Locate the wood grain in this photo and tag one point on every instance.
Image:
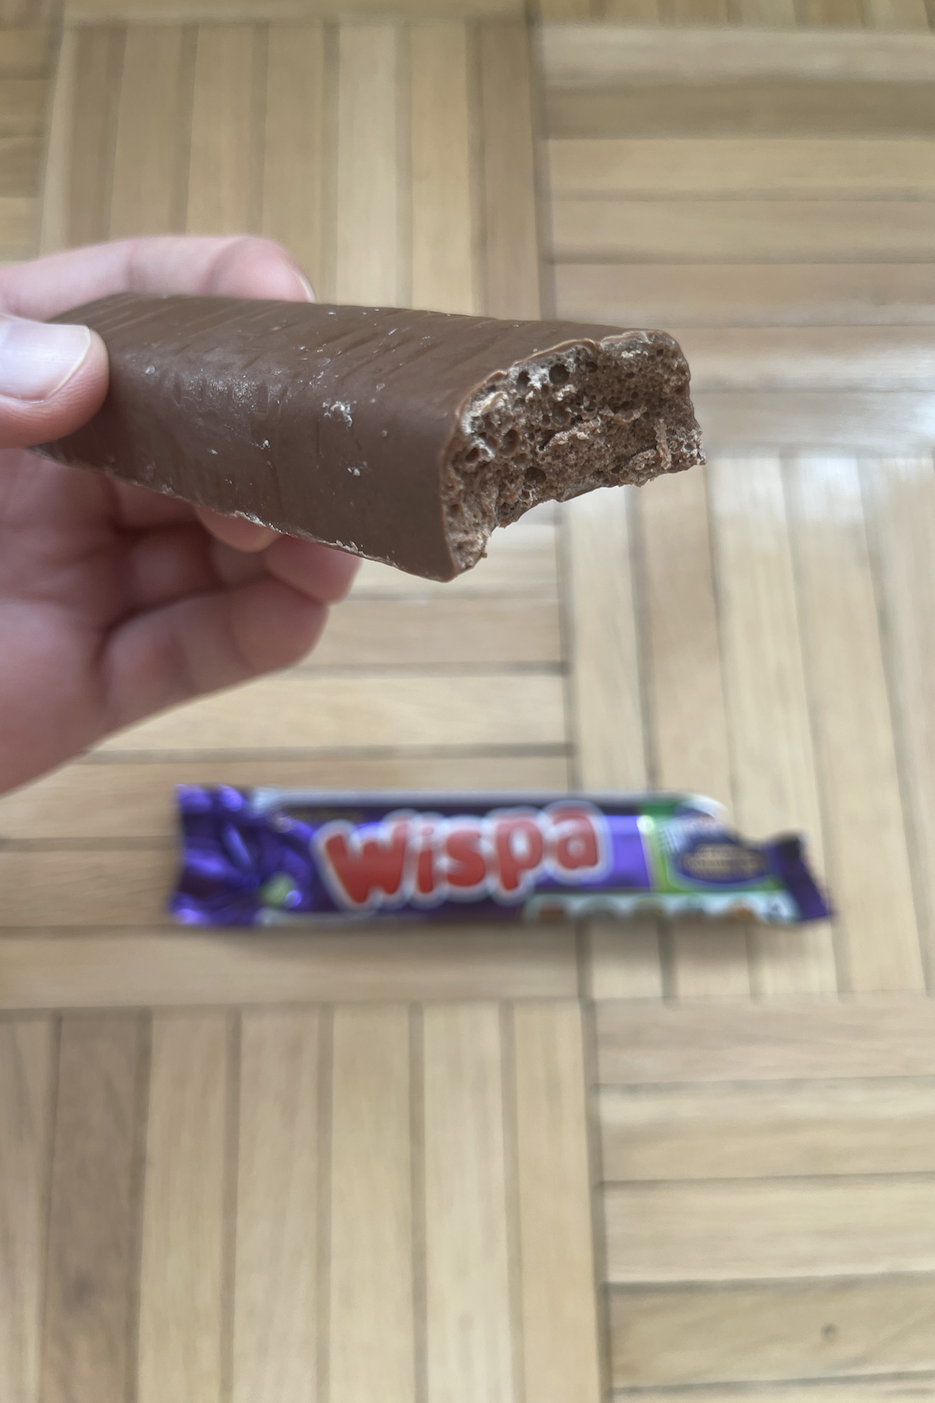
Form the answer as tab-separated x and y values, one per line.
851	1390
767	1331
877	359
685	692
511	244
767	107
742	294
897	14
469	1346
148	191
755	1131
22	105
326	711
93	1217
560	1349
858	421
181	1273
369	186
868	861
222	180
772	760
160	968
900	496
55	213
295	209
727	1231
275	1333
479	631
371	1331
443	198
737	231
25	51
128	800
701	1043
20	158
779	168
26	1088
19	226
98	60
574	55
81	888
603	647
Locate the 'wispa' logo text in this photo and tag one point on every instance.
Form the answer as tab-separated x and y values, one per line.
424	859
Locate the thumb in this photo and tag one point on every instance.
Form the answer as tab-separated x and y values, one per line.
52	380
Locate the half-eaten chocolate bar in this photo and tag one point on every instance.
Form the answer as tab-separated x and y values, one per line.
401	436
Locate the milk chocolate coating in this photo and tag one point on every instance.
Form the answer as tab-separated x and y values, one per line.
402	436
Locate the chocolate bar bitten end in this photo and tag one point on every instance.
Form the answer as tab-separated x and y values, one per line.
580	416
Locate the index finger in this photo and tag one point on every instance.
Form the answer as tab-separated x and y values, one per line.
240	266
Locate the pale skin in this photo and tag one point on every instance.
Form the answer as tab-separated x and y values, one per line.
116	602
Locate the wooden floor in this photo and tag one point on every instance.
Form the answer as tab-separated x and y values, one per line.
684	1163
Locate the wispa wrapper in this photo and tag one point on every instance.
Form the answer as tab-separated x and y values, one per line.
263	856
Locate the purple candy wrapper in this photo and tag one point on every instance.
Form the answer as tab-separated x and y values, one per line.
263	856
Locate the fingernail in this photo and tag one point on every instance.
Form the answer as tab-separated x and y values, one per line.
36	360
306	286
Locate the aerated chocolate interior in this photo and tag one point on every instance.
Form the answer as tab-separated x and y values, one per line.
403	436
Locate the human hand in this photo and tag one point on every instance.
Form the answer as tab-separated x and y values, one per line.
116	602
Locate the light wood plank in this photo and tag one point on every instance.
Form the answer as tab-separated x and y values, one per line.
855	421
369	194
777	168
771	14
897	14
560	1348
437	630
694	12
222	157
162	969
833	14
519	561
20	165
443	217
55	213
469	1349
295	211
89	1279
148	194
84	888
867	856
276	1267
632	11
606	709
809	358
754	1131
763	1332
26	1048
701	1043
98	61
773	765
511	244
847	1391
687	712
26	51
129	800
371	1344
573	55
737	231
740	294
181	1274
900	497
729	1232
19	226
22	106
340	711
89	12
768	107
604	653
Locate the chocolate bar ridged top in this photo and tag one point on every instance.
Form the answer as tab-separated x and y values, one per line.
398	435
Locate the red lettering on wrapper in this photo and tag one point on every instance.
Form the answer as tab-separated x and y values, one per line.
364	867
519	847
425	859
